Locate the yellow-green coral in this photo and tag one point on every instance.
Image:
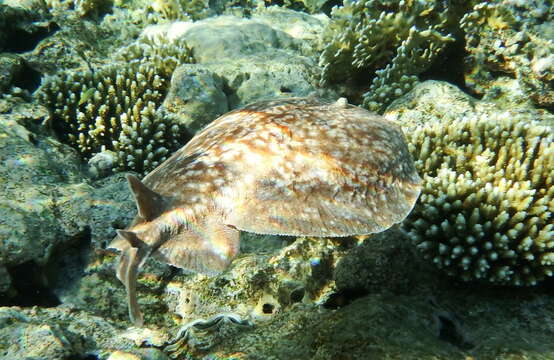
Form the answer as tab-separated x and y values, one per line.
180	9
113	108
400	37
486	209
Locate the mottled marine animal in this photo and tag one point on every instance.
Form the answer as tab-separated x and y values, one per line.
297	166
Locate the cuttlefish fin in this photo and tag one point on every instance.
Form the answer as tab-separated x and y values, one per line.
130	261
150	204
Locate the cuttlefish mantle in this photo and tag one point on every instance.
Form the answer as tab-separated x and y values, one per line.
299	167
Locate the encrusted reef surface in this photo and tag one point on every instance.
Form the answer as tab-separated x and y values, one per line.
94	89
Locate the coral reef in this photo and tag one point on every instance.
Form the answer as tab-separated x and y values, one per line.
391	41
305	298
510	47
486	207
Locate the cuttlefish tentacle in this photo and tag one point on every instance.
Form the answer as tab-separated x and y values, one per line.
132	258
134	250
127	273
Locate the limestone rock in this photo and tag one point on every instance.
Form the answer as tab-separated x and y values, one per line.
32	177
195	97
255	60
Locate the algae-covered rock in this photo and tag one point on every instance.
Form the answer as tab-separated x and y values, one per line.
226	37
101	208
195	97
510	47
384	262
10	68
26	22
57	333
47	207
420	105
443	102
254	59
33	175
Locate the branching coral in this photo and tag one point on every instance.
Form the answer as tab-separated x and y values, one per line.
400	37
163	53
413	56
112	109
486	209
181	9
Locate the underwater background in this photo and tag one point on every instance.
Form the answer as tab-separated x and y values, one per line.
94	89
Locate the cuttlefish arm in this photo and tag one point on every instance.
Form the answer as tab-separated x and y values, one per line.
131	259
135	251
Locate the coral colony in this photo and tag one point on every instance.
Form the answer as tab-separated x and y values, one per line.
114	107
291	167
485	212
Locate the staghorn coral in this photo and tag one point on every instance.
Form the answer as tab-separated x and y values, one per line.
83	8
395	79
400	37
113	108
485	212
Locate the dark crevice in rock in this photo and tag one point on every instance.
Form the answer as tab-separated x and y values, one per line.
450	330
268	308
31	286
83	357
343	298
21	40
297	295
28	78
67	263
328	6
449	66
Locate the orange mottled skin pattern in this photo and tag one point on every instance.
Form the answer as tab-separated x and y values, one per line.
296	166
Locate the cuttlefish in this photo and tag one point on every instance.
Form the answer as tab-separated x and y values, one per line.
299	167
